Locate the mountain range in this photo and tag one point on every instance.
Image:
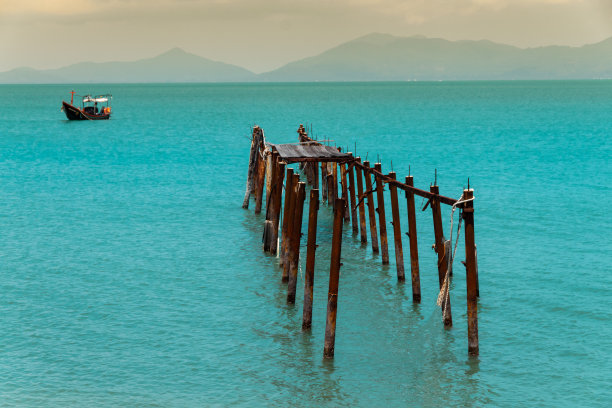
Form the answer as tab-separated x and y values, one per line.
374	57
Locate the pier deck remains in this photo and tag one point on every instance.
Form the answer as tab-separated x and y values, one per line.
355	190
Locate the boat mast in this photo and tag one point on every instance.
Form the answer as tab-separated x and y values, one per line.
71	97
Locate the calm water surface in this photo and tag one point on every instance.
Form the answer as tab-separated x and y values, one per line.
131	276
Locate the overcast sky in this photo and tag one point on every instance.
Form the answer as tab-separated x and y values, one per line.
263	35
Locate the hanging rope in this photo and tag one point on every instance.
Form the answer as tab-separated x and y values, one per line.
443	295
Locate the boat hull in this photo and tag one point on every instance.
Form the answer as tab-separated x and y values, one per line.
74	113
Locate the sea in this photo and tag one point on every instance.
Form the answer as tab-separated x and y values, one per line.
131	276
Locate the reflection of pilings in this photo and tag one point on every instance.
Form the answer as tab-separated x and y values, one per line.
334	275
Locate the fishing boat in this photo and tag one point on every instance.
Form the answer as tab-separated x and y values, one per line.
92	107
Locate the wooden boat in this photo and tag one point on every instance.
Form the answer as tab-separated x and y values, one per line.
92	107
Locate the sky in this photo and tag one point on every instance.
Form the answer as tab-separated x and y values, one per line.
264	35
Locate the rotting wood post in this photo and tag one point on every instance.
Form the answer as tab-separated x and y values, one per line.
334	172
287	211
290	225
269	174
310	258
414	250
470	277
476	261
361	201
397	231
330	188
371	210
315	175
253	161
440	249
343	182
324	181
278	194
294	243
261	174
352	203
380	200
334	276
271	188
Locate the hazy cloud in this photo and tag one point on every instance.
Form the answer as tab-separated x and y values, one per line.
265	34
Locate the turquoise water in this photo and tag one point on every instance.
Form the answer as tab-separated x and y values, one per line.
131	276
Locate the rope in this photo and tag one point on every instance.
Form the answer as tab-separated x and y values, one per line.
443	295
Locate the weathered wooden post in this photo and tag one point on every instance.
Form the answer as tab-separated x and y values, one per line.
352	203
271	187
380	199
330	189
290	225
371	211
334	276
412	236
397	232
334	173
470	277
275	216
288	212
256	141
324	181
361	201
261	174
315	175
343	183
310	259
440	249
294	243
269	173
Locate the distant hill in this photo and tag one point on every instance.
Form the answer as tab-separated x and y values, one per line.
374	57
175	65
382	57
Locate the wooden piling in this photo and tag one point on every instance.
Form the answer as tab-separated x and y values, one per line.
315	175
275	215
310	259
334	275
440	250
269	174
271	187
324	181
397	231
380	200
294	242
352	203
334	173
256	141
343	182
288	214
371	210
330	189
261	174
414	250
361	201
470	277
